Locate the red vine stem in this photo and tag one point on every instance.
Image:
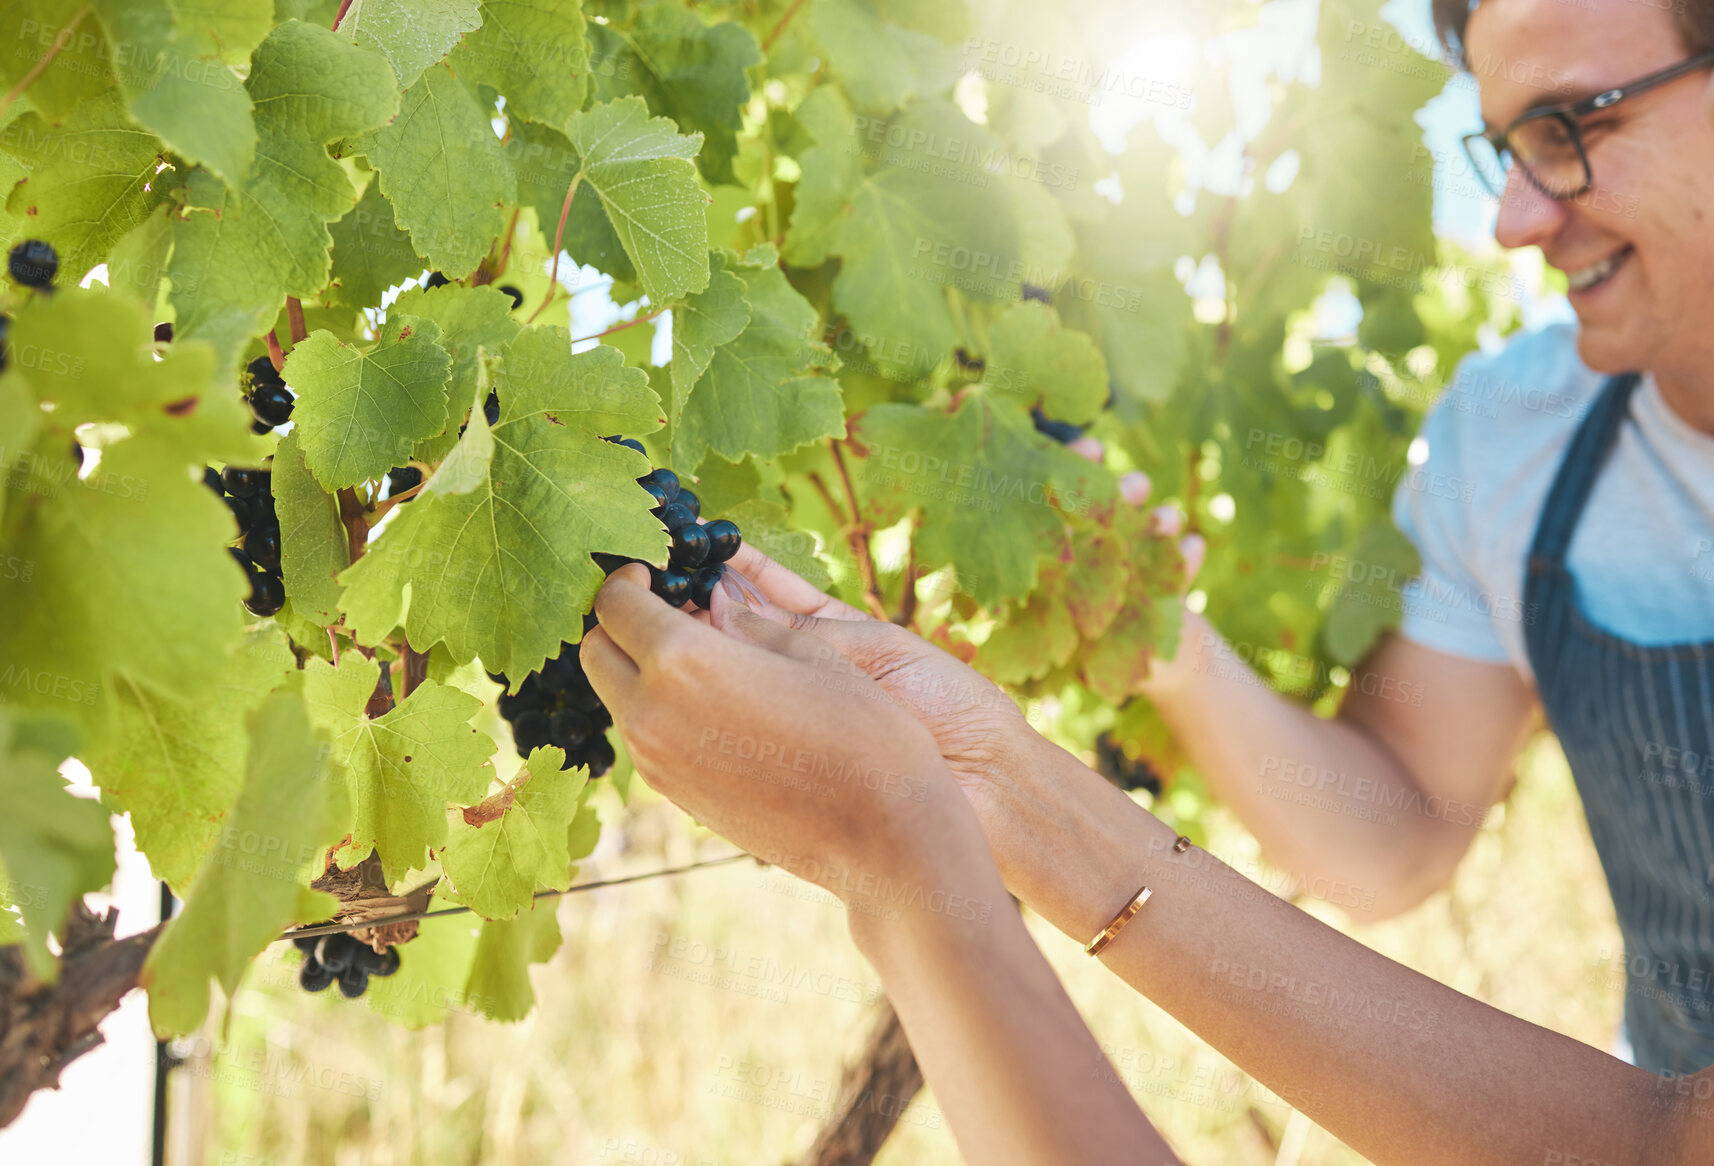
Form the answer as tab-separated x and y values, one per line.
558	236
344	6
37	69
295	317
274	353
780	27
908	600
632	323
857	534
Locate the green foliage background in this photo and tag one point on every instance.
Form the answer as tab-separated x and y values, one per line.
836	208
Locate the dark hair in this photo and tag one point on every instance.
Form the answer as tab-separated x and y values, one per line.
1695	23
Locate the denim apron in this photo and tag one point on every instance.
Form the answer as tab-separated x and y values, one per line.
1637	725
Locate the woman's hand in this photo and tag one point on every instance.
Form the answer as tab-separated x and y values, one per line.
831	781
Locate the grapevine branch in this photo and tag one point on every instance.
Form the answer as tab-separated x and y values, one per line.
857	533
40	67
872	1095
413	916
780	25
295	317
558	237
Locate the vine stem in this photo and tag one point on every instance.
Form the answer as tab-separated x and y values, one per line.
632	323
857	534
413	916
780	26
275	353
40	67
908	600
295	317
344	7
374	516
558	237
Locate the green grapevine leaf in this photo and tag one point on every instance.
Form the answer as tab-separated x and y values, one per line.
517	838
370	252
1046	364
880	64
405	767
444	171
470	319
412	36
546	166
255	881
359	413
992	493
433	969
178	87
80	70
313	546
535	53
704	322
89	179
239	252
685	69
166	761
55	847
766	392
499	985
1034	640
503	572
641	168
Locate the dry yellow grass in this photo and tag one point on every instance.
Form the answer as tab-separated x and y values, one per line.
702	1021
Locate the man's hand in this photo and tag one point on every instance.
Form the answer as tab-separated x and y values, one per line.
746	734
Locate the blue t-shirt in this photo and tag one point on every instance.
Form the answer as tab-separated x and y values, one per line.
1643	553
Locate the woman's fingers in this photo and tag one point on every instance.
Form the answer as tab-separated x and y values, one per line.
639	622
784	588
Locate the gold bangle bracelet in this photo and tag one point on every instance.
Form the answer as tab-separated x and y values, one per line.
1123	917
1111	931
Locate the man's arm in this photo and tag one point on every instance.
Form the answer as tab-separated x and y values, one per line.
1383	799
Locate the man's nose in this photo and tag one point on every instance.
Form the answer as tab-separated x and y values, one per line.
1528	218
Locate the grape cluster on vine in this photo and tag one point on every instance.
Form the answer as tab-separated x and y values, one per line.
249	494
33	263
341	956
557	705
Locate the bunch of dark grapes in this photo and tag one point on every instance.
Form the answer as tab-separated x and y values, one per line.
1124	771
341	957
557	705
270	400
1063	432
249	494
33	263
403	478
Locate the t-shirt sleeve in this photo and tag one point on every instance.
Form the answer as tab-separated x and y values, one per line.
1438	612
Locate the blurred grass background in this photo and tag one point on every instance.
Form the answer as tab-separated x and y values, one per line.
703	1020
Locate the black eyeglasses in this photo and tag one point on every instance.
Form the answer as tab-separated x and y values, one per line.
1548	142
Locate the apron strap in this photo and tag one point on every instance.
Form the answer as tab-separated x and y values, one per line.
1577	473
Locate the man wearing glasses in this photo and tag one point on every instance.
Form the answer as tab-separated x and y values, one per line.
1578	574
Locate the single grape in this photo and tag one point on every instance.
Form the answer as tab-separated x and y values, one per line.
211	479
267	594
629	443
691	547
1061	431
599	757
241	511
512	705
259	427
272	404
262	544
305	943
436	279
702	585
656	492
491	409
676	517
34	263
515	293
403	478
240	482
562	671
581	696
242	558
530	731
352	981
665	479
610	563
313	977
672	586
569	729
164	332
335	951
724	539
387	964
691	503
1039	294
262	372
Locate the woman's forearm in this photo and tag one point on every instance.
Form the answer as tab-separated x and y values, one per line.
1012	1064
1402	1068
